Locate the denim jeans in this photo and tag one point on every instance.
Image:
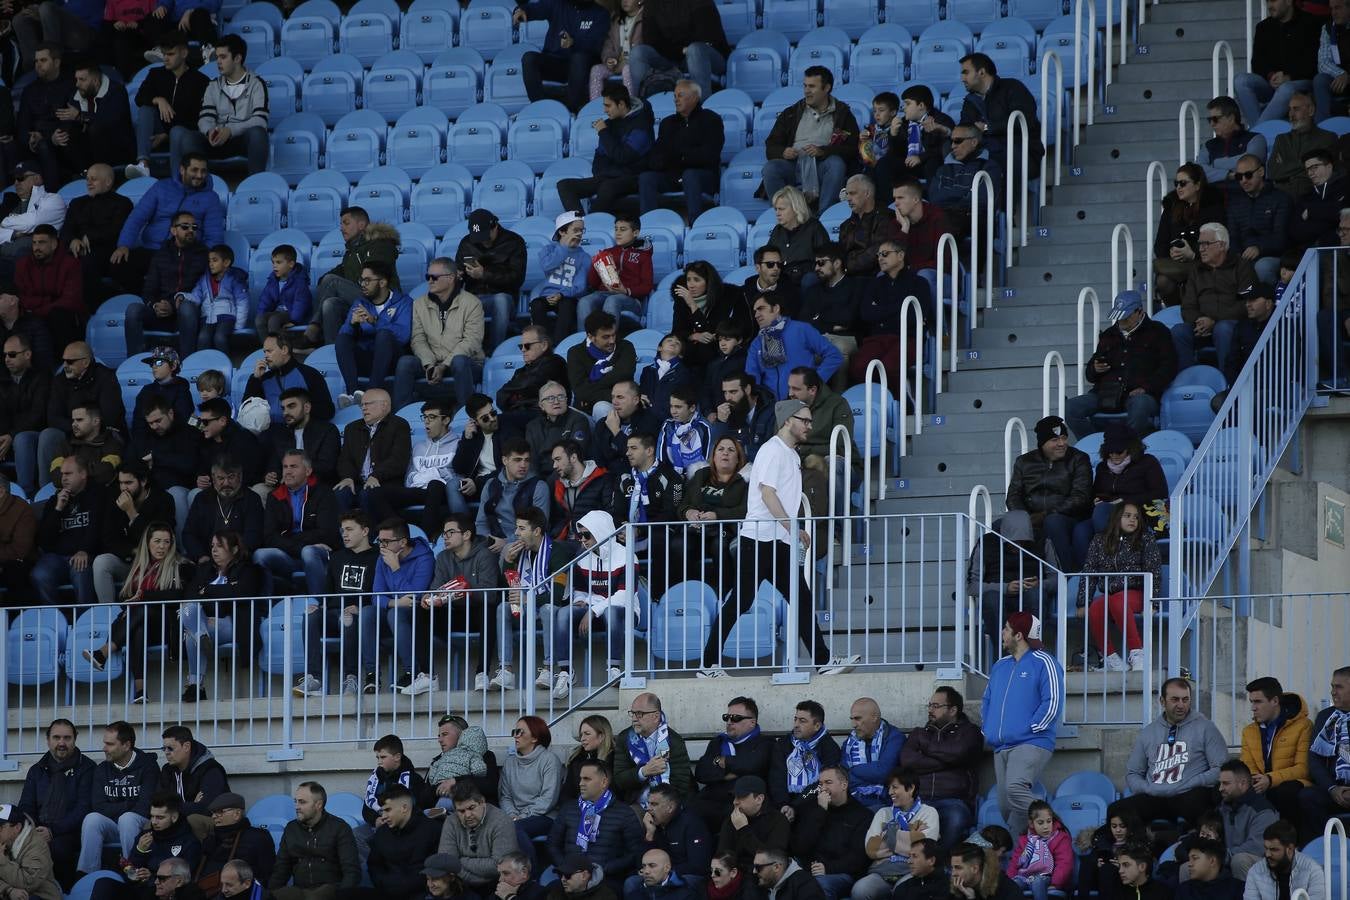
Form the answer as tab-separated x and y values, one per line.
141	316
1058	530
836	887
1254	93
558	625
196	626
26	461
332	301
696	184
871	887
1322	95
1139	412
615	304
830	170
955	819
1184	339
359	639
412	630
96	829
508	627
216	335
148	124
313	560
701	61
498	310
252	144
376	357
572	70
460	378
53	570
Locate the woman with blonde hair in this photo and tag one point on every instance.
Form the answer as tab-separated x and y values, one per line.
595	740
798	236
158	572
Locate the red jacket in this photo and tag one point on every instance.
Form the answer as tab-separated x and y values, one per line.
56	285
127	10
1061	850
634	264
924	236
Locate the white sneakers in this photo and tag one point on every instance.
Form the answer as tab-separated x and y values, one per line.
504	680
841	665
480	681
613	673
422	684
308	686
1136	660
139	169
562	685
712	672
544	680
1112	663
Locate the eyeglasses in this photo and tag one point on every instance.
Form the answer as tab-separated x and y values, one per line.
758	865
202	421
733	717
74	360
1213	119
554	398
882	254
184	226
371	280
163	878
517	732
432	276
451	532
718	873
1243	176
823	262
962	140
770	263
584	535
804	419
1182	182
431	417
938	705
157	361
486	417
386	542
639	713
1203	244
525	345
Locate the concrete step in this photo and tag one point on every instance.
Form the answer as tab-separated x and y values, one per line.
1074	192
1170	51
1026	378
1154	111
1105	214
1041	337
1107	129
1184	62
1015	314
1104	174
1162	91
1194	11
936	444
1100	151
1079	235
991	419
1055	253
1192	31
1070	273
1014	354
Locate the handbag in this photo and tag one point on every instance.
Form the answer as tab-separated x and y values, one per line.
1110	396
209	885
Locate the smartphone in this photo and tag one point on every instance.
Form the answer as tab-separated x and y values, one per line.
470	260
1178	244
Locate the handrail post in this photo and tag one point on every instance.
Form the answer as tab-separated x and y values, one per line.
793	638
1227	50
1078	63
1012	423
841	432
1188	106
630	581
6	764
977	494
1017	123
982	181
947	256
1052	56
1083	355
527	618
287	750
1052	358
911	302
1124	16
1116	233
1146	713
1151	208
1249	32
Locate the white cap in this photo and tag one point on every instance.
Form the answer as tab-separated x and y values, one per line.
566	219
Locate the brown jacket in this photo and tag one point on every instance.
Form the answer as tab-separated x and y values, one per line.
863	236
438	336
784	131
18	529
1214	291
27	864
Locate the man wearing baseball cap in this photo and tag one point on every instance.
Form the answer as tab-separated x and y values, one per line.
492	259
1020	712
579	878
1053	484
165	364
1134	363
233	836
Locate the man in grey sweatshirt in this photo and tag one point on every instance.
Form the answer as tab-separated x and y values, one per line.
479	834
1174	766
1246	816
234	113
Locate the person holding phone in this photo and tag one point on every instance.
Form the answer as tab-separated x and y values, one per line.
1192	203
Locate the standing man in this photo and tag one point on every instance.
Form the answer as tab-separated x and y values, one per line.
802	148
493	261
1275	745
1022	706
946	754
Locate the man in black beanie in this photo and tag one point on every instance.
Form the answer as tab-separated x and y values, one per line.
1053	484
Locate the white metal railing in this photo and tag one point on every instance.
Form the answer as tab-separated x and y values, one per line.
948	279
1152	221
876	385
1117	284
1017	187
1052	359
1221	48
1087	344
1250	30
1013	424
1334	827
1047	59
1188	106
1124	26
1003	577
981	241
1105	608
841	447
911	304
979	498
1078	6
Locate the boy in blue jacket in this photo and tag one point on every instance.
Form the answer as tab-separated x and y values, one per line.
1021	709
286	298
379	325
221	295
404	571
566	268
576	32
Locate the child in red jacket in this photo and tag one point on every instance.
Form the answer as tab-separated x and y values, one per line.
1043	857
621	275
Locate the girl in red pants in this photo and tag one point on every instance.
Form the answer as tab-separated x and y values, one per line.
1125	546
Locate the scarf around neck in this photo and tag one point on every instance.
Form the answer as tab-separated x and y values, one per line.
1117	468
914	144
644	750
857	752
589	826
772	348
803	765
685	446
604	362
901	819
637	503
373	786
534	576
1036	858
729	746
1333	742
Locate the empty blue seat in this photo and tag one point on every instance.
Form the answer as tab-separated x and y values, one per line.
718	236
440	197
35	643
317	201
1010	53
1011	26
1039	13
937	56
738	112
106	331
768	112
487	28
583	139
757	64
546	200
791	18
454	81
259	35
505	189
391	86
738	19
384	189
974	14
355	145
306	39
72	189
880	55
833	217
416	247
417	141
429	27
258	206
852	16
332	89
537	137
475	140
1186	403
858	96
826	55
682	621
367	36
760	229
915	16
282	77
1058	36
740	181
297	145
504	84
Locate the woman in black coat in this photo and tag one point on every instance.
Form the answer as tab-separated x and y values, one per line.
1192	203
701	302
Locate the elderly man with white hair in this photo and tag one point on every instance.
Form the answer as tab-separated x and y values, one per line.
688	149
1210	303
870	226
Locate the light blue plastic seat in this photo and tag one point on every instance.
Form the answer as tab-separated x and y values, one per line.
366	35
282	76
851	16
757	64
915	16
356	143
440	197
317	201
791	18
546	200
538	135
487	28
455	80
737	110
827	55
476	138
306	38
297	145
259	27
429	26
332	89
975	15
392	85
1039	13
258	206
504	84
682	621
738	18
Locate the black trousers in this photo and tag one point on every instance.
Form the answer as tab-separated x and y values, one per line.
609	193
391	499
1188	805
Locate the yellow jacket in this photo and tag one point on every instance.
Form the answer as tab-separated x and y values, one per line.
1289	751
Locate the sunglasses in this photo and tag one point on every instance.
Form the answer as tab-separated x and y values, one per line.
1213	119
823	262
517	732
1246	176
733	717
183	226
962	140
13	354
771	263
433	276
77	359
1182	182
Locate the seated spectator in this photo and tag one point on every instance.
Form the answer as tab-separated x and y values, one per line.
726	879
221	296
196	22
430	473
577	876
1209	879
702	302
26	865
493	261
1126	473
990	102
576	30
519	397
870	752
150	225
1246	815
1283	864
927	133
298	524
514	488
442	871
780	877
1021	725
620	276
798	237
375	450
120	790
831	303
229	575
882	297
783	345
1166	782
976	875
376	334
558	422
649	752
742	749
928	879
626	134
577	485
286	299
945	755
1056	497
1134	363
169	97
392	769
608	831
446	340
746	413
530	782
50	285
658	880
598	363
234	117
340	287
234	838
1313	217
349	615
165	383
133	506
754	825
1043	859
812	142
566	267
466	564
829	837
278	372
1219	155
222	506
463	750
237	881
94	126
68	534
863	232
951	183
83	382
174	271
893	830
768	280
55	799
1258	217
405	569
100	448
648	490
317	851
478	455
679	834
1004	572
526	561
192	773
1329	794
680	39
403	839
299	427
15	320
875	140
923	225
1210	307
18	531
483	838
1192	202
730	359
688	150
685	441
663	375
1285	166
50	91
799	756
1135	863
595	740
30	206
1097	871
168	837
1284	61
625	33
1331	80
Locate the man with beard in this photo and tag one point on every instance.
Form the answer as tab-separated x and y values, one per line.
1285	166
301	426
56	795
746	412
222	506
945	754
50	284
627	416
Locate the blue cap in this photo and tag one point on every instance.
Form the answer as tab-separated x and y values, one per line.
1127	302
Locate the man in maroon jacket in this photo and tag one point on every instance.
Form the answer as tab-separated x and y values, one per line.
51	286
945	754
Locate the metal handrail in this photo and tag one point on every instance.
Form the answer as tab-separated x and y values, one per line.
902	439
1078	63
977	494
1083	353
947	258
1188	105
1124	18
868	386
1023	189
1052	358
1052	57
840	433
1116	233
1250	31
1152	208
981	181
1332	826
1227	50
1008	458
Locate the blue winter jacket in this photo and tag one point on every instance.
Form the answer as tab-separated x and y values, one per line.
396	317
565	270
1023	701
586	23
413	576
230	300
148	224
90	12
867	779
176	8
805	347
294	295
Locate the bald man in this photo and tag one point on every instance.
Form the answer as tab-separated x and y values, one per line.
870	752
656	880
375	449
649	752
82	382
91	228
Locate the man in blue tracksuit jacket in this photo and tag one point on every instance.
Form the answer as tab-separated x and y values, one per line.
1020	713
379	326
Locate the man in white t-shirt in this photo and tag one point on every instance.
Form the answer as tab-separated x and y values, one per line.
764	547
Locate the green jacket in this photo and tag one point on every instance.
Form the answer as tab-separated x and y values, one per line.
1286	158
829	410
628	784
379	241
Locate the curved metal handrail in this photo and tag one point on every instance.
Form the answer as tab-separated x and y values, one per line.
1152	209
1052	57
1017	123
868	386
981	239
911	303
978	493
1052	358
1078	63
1120	230
947	259
1083	354
1188	105
1227	50
1008	457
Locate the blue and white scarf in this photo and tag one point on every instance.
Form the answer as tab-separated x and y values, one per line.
638	500
604	362
588	828
803	765
1333	742
856	752
685	447
645	749
373	786
772	349
534	569
729	746
901	819
914	144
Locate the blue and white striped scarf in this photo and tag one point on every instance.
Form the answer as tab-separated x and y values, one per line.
644	750
588	828
856	752
803	765
1333	742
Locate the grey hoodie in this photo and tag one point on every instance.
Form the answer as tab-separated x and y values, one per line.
1305	873
1245	821
1166	762
480	568
530	784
